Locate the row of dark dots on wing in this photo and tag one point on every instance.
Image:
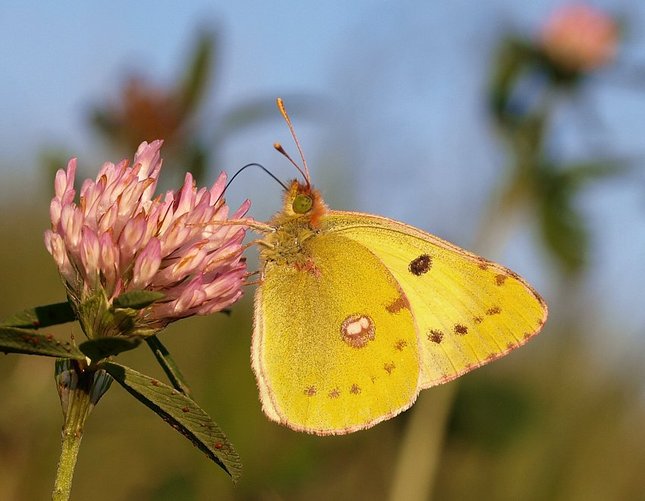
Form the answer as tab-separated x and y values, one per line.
311	391
437	335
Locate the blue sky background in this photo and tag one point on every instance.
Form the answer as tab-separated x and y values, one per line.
401	131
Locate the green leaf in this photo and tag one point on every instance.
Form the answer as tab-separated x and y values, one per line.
15	340
106	123
137	300
579	173
103	347
563	228
196	159
182	413
493	415
514	58
168	365
41	316
197	73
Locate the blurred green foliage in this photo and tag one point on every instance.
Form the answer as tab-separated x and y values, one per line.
192	123
525	89
145	112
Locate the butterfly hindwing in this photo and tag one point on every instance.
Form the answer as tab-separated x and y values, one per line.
468	311
335	347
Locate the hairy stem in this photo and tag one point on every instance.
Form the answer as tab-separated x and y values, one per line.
71	442
78	408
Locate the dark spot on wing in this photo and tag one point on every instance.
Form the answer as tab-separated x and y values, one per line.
420	265
461	329
435	336
398	304
400	344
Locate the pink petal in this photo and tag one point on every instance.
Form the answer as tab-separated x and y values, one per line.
109	263
218	188
149	157
146	265
55	209
56	247
129	239
186	200
71	226
90	256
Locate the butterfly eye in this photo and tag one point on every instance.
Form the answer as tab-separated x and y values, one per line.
302	204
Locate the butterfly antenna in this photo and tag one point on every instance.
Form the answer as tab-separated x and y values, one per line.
278	146
281	150
246	167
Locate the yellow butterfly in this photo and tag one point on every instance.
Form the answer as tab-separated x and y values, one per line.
356	313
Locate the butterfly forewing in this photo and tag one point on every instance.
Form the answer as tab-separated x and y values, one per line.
468	311
335	348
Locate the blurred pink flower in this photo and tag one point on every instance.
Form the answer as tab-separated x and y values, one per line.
119	239
580	37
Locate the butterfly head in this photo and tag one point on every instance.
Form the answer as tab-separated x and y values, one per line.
302	200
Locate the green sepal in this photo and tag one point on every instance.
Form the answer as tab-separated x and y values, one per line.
137	300
41	316
74	376
16	340
182	413
100	319
90	310
103	347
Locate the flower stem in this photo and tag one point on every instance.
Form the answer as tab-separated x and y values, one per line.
78	408
71	443
79	389
420	451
